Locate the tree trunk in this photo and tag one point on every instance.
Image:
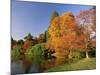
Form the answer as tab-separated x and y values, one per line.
87	56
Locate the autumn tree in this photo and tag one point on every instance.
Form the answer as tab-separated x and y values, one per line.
54	15
28	42
93	12
86	21
42	38
65	35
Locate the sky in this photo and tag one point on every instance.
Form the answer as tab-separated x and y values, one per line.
34	17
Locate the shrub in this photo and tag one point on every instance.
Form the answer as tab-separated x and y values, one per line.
15	53
92	52
36	51
78	55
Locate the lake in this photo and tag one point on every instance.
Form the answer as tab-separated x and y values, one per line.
35	66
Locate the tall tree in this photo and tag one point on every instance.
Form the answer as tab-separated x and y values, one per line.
86	20
20	42
28	37
55	14
42	38
47	35
28	42
93	11
65	35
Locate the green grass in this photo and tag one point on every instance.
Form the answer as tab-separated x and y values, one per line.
83	64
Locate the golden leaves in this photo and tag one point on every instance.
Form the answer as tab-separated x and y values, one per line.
63	31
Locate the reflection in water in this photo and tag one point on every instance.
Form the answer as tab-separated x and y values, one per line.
34	69
20	68
17	68
37	65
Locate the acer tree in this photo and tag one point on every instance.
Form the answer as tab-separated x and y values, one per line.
86	21
65	35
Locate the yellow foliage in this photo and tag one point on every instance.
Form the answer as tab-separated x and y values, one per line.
65	34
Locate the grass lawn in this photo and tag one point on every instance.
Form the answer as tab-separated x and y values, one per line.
84	64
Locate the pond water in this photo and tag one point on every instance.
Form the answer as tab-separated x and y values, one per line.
36	66
19	68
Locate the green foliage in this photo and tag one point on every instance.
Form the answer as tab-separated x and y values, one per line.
15	53
36	51
37	60
77	55
55	14
39	49
84	64
92	52
47	35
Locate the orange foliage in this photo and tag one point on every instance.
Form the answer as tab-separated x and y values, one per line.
65	35
27	44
